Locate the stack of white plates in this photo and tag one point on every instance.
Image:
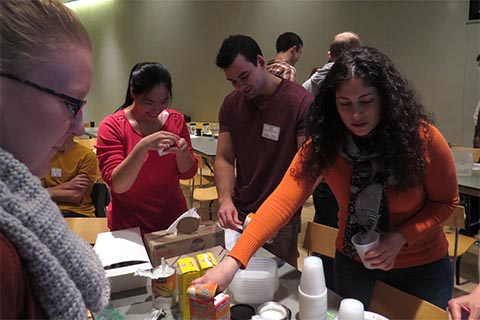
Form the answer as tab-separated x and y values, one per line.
257	283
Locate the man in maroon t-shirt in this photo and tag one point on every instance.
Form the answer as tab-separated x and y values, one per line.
262	125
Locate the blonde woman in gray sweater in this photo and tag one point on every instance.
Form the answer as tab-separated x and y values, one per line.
46	271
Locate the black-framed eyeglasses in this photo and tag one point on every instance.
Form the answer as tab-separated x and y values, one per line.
73	105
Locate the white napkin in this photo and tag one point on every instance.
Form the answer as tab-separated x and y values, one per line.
231	237
190	213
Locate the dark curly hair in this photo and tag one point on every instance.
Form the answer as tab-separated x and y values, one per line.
397	135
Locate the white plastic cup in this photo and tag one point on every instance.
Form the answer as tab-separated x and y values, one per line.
351	309
312	280
364	242
206	128
312	307
214	128
193	128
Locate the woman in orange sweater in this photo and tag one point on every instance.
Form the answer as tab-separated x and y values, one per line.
390	170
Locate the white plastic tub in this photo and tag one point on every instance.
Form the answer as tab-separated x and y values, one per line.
257	283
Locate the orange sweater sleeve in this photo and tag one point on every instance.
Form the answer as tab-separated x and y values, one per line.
275	211
441	187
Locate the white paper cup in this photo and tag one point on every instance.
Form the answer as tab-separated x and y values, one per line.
312	280
312	307
193	128
351	309
362	244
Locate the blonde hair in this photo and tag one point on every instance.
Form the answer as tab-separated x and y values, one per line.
35	32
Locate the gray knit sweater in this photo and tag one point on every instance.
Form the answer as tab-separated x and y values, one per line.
66	274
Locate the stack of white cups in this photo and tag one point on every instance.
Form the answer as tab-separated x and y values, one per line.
312	292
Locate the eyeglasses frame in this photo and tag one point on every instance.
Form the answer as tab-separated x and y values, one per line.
73	105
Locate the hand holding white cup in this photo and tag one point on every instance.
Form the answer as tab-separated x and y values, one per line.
364	242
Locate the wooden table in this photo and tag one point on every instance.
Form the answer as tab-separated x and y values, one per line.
88	228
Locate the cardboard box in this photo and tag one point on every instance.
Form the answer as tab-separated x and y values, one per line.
160	244
218	252
217	308
206	260
122	252
187	271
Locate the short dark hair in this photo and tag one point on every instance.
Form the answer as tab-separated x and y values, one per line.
144	77
235	45
287	40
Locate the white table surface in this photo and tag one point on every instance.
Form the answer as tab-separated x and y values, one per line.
91	132
204	145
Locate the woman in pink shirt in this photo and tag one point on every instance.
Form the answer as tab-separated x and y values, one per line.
143	149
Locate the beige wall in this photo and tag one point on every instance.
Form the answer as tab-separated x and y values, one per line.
429	41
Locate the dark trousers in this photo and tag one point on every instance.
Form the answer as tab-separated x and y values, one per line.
432	282
326	210
70	214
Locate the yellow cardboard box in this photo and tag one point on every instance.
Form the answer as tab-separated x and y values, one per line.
206	261
187	271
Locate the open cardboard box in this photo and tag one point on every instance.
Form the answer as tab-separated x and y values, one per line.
122	252
161	244
218	252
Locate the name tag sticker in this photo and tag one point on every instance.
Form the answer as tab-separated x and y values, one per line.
162	152
271	132
56	172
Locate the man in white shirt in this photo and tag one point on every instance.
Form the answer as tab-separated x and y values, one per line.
340	43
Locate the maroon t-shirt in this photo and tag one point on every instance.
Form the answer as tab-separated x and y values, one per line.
264	134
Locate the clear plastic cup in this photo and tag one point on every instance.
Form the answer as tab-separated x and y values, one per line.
463	162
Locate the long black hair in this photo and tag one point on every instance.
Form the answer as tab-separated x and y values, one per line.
398	135
144	77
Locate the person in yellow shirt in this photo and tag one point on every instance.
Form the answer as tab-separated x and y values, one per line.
73	172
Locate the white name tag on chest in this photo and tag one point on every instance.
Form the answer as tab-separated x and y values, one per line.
56	172
271	132
162	153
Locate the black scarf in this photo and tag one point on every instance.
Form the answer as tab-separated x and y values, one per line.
367	209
